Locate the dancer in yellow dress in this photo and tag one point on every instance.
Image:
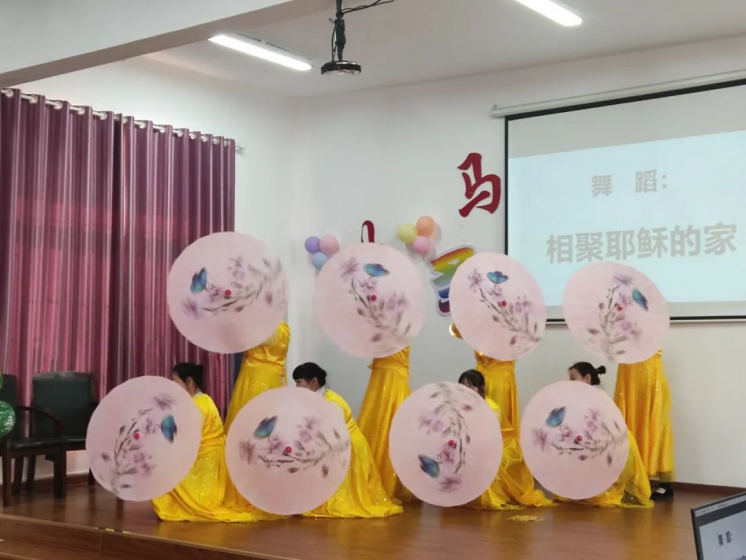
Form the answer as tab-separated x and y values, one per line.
200	496
632	488
499	378
643	396
387	389
361	494
262	368
513	486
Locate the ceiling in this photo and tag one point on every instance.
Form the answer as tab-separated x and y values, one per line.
413	41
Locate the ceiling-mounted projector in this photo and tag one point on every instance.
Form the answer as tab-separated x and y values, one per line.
337	65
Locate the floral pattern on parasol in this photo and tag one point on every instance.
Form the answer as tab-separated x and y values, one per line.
616	312
143	438
368	300
288	450
227	293
445	444
498	306
574	439
129	456
306	448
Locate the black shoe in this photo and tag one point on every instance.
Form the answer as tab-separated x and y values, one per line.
666	494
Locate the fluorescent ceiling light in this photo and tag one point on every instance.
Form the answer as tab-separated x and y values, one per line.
553	11
261	50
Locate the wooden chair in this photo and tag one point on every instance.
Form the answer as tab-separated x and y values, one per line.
69	397
19	444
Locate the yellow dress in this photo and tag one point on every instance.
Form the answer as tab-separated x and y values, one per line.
513	486
632	488
387	389
262	368
643	396
201	495
499	384
361	494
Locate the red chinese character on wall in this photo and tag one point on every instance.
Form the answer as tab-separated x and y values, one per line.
491	191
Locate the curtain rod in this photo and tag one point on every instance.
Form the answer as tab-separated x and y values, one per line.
33	99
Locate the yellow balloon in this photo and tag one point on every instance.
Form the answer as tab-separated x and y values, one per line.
407	233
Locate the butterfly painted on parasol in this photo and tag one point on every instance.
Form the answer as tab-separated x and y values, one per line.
199	281
265	428
497	277
375	270
555	417
168	428
640	299
429	466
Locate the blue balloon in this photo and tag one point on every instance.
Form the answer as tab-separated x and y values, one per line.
313	245
319	260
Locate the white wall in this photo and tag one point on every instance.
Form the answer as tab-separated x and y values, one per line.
391	156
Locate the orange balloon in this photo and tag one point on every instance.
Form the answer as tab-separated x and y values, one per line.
425	226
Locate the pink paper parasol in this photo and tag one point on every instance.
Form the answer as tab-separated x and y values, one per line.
574	439
497	306
227	293
143	438
445	444
288	451
368	300
616	312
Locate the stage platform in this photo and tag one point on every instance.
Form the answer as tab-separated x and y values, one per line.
90	524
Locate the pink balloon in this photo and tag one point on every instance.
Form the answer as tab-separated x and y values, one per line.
425	226
160	425
288	450
329	245
421	246
445	444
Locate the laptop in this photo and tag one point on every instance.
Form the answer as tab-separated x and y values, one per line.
720	529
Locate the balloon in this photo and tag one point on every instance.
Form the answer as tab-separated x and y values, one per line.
313	244
329	245
425	226
421	246
406	233
319	260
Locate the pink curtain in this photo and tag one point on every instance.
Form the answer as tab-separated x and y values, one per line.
94	208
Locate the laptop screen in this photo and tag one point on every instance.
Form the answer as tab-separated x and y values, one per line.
720	529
